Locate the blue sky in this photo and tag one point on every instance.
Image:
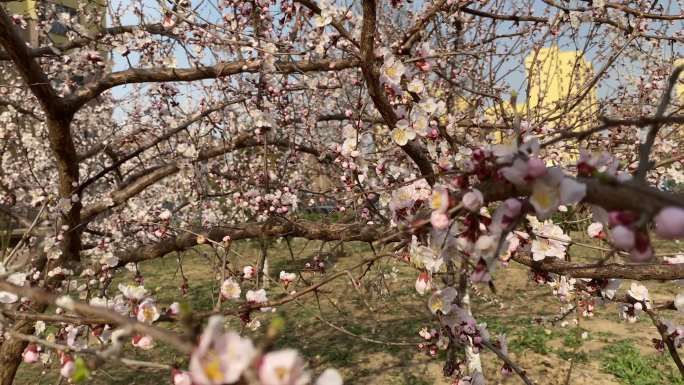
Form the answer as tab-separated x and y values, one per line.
515	79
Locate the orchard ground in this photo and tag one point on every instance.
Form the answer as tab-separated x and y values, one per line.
370	333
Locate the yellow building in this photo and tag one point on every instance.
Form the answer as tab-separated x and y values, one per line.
679	87
64	20
559	95
90	14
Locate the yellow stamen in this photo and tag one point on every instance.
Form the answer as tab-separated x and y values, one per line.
281	372
437	305
212	367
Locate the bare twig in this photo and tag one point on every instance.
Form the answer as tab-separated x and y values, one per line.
647	145
519	371
44	297
671	348
66	348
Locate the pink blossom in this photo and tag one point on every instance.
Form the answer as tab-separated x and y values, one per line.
480	273
554	189
425	333
623	237
441	300
168	21
625	218
147	311
530	147
133	292
329	376
595	230
505	214
513	243
516	173
68	366
283	367
248	272
230	289
512	206
545	198
174	309
220	358
638	292
679	302
572	191
473	200
522	172
610	288
677	259
465	244
403	198
551	242
256	296
592	162
180	377
423	283
439	200
535	167
485	245
287	278
31	354
670	223
439	220
19	20
143	342
642	250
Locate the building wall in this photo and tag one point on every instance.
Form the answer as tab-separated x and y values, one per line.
76	8
679	87
558	79
558	98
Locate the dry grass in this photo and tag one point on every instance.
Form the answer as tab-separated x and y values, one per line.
388	311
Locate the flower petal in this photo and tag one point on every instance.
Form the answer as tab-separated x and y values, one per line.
571	191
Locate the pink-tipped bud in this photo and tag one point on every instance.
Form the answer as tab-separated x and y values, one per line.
623	237
670	223
31	354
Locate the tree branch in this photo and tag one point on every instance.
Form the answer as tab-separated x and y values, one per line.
667	340
335	23
519	371
47	298
413	148
647	145
149	178
58	49
168	134
639	272
223	69
272	229
27	67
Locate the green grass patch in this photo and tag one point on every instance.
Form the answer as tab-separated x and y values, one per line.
534	338
574	339
576	356
495	325
623	360
411	379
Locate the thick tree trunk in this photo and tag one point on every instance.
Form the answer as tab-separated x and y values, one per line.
12	348
262	264
10	352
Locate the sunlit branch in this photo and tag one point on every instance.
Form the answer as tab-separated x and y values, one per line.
47	298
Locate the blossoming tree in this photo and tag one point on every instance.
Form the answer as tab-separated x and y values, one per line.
186	124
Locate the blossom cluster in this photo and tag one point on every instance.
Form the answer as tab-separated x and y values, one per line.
223	357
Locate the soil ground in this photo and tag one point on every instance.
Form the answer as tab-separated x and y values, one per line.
370	332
